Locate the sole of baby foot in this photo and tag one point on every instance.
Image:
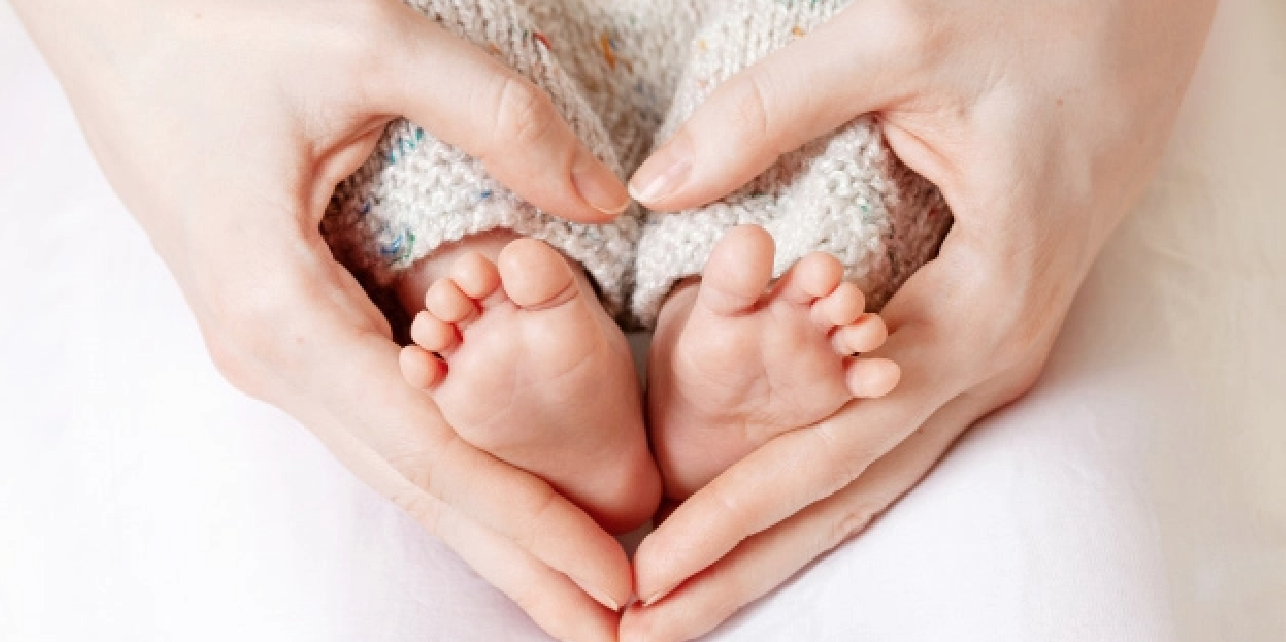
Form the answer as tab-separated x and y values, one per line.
735	362
525	363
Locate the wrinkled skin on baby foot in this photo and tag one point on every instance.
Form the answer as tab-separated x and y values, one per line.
736	362
527	365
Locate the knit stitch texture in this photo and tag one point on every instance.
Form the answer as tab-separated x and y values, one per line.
625	74
846	194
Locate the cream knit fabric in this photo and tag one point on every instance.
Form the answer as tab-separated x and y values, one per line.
625	74
417	193
847	194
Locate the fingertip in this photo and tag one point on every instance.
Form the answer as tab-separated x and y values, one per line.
664	173
643	586
600	188
866	334
636	624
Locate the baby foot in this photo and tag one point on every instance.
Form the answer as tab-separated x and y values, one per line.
525	364
734	364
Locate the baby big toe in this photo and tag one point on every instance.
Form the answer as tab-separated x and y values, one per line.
738	271
535	275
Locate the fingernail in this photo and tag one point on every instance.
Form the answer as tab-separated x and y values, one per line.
656	597
663	173
601	189
599	597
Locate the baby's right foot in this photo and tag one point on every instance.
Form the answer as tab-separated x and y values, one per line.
735	364
525	364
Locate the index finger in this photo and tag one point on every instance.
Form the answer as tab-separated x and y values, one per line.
471	100
309	354
788	98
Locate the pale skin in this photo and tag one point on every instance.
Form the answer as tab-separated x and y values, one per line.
1041	123
224	128
514	347
524	363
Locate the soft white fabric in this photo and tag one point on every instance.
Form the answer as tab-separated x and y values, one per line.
1139	492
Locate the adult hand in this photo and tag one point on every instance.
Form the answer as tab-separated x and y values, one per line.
224	127
1041	123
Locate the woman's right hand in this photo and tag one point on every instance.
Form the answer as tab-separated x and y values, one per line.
224	127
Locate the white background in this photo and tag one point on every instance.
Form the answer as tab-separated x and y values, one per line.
1139	492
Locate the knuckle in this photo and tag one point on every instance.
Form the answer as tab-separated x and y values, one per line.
911	33
228	360
738	578
850	521
748	100
421	507
524	114
240	327
723	500
413	464
248	325
529	533
257	314
845	459
1026	308
420	461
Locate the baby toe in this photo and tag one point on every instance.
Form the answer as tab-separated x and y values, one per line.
446	301
841	307
433	334
813	277
871	377
476	276
864	335
535	275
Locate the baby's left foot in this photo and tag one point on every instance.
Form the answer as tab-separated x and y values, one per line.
734	364
530	368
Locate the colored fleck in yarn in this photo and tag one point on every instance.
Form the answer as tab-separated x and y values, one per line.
417	193
846	194
625	74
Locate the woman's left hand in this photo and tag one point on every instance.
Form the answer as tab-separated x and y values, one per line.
1041	123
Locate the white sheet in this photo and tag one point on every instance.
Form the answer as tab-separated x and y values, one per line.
1139	493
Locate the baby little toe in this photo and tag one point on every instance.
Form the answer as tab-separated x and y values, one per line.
420	368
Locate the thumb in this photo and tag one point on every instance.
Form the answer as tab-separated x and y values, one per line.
841	70
468	99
